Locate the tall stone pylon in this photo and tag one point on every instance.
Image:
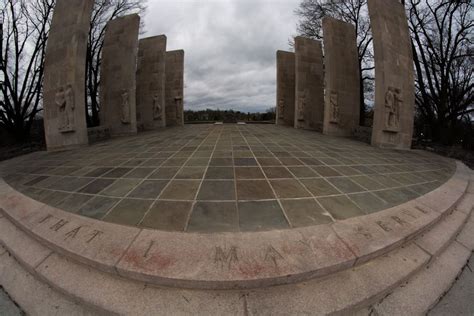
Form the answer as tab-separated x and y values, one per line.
151	79
342	77
309	84
64	75
285	78
174	88
394	75
118	76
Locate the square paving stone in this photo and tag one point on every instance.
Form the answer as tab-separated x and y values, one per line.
303	172
148	189
121	187
289	189
54	198
191	173
134	162
396	196
254	190
319	187
97	207
74	202
36	180
326	171
385	181
153	162
117	172
128	212
368	202
174	162
181	190
70	184
340	207
261	215
96	186
346	171
139	173
222	154
305	212
197	162
245	162
249	173
166	215
277	173
220	173
366	182
164	173
210	217
97	172
291	162
346	185
221	162
217	190
268	161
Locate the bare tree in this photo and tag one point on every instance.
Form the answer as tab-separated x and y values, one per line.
442	36
104	11
24	32
355	12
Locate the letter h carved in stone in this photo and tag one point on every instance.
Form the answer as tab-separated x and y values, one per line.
65	102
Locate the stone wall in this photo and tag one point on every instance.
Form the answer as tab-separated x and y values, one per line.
285	102
118	76
342	78
174	88
64	75
151	82
394	75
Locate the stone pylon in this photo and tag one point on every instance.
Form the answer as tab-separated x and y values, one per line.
394	75
342	77
151	82
118	76
174	88
64	75
285	102
309	84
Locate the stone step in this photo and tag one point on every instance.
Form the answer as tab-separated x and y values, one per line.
342	292
231	260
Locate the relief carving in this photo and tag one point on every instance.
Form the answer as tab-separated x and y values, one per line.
65	102
301	106
156	108
281	106
125	107
333	108
179	106
393	103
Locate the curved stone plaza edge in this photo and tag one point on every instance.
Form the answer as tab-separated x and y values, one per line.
230	260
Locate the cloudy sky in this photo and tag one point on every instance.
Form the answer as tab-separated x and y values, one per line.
229	45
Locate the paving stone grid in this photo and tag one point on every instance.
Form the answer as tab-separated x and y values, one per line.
216	178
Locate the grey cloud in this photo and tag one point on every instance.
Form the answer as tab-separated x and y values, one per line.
230	47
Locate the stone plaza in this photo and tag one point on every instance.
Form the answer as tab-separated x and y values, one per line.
295	217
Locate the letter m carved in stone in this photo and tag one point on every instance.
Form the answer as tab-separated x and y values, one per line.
225	258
